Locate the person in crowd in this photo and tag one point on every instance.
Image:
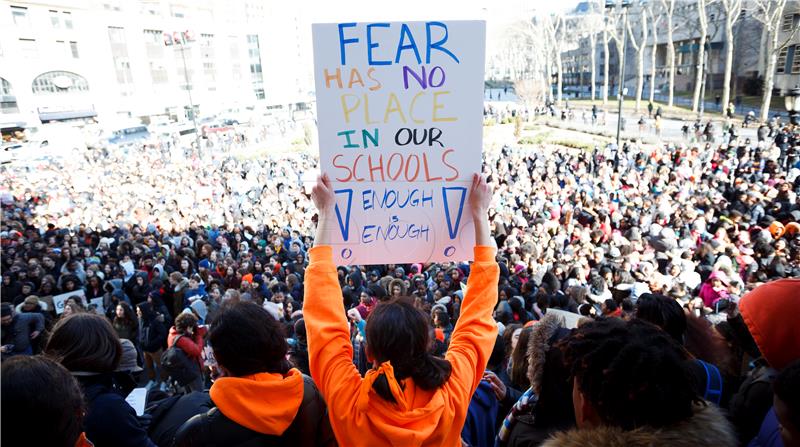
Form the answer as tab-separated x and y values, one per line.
42	402
19	331
431	405
259	398
87	345
764	329
188	336
125	322
619	369
152	338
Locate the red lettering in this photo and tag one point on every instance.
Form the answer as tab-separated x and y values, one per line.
350	174
413	178
373	168
389	166
355	168
453	168
428	177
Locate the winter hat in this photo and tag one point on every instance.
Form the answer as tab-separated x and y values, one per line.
127	361
204	264
200	308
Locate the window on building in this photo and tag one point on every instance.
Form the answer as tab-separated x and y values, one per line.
61	48
20	15
55	19
67	19
178	11
5	88
29	48
73	48
116	35
154	43
59	82
780	67
158	73
791	55
790	22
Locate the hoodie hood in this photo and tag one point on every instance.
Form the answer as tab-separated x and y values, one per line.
545	334
263	402
769	312
412	419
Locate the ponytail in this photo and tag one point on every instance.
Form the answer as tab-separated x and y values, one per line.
428	372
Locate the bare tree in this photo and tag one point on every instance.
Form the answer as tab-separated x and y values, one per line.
701	53
655	14
639	46
555	29
770	14
732	12
606	37
669	11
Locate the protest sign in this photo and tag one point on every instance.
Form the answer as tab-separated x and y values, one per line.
400	110
571	319
60	300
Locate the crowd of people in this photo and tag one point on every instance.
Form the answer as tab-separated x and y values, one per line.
640	295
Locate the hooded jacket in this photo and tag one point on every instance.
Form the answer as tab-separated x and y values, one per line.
359	416
479	427
707	427
261	409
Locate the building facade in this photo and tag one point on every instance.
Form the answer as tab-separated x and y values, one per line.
109	59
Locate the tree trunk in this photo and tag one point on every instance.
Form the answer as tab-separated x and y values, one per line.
653	60
605	66
726	82
669	10
560	74
769	74
593	41
701	54
639	47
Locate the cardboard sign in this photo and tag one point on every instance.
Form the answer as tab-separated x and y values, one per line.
570	319
60	300
400	109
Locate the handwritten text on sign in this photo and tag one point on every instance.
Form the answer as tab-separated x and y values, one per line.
399	110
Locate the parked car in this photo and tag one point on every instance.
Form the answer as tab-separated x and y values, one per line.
130	134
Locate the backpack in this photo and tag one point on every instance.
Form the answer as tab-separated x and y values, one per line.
178	365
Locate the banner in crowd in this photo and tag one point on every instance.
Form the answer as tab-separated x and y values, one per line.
400	109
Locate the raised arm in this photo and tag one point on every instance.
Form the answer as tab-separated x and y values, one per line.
475	333
330	352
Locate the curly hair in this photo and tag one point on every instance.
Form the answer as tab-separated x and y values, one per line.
633	373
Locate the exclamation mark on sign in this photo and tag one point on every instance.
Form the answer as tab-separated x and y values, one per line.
453	195
344	224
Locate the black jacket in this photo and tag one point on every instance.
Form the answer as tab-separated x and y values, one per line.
152	335
110	421
311	427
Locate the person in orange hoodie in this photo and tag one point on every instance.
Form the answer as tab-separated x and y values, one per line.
767	331
259	399
410	398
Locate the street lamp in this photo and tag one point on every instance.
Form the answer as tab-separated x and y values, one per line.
180	41
624	4
792	102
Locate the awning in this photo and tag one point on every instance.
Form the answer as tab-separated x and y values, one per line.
66	115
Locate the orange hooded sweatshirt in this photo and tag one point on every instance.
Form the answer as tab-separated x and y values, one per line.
769	311
263	402
358	415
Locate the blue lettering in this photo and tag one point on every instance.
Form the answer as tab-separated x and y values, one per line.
412	45
367	199
438	45
371	46
343	41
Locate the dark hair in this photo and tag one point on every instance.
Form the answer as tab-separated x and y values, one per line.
185	321
36	389
247	340
84	342
130	316
632	372
519	361
664	312
787	388
508	338
442	316
399	333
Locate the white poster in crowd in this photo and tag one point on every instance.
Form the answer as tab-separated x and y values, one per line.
400	110
97	305
570	319
60	300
